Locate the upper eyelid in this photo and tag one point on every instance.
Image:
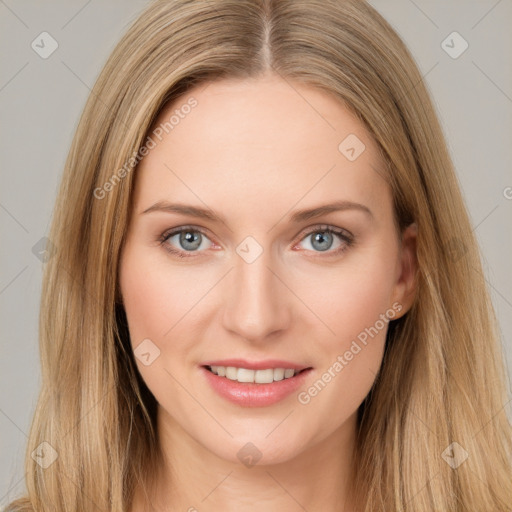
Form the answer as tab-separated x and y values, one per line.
175	231
326	227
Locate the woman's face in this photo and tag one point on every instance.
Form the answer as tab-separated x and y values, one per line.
259	283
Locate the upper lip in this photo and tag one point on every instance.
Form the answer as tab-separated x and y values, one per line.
257	365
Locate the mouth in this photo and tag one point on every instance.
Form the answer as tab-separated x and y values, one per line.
249	387
251	376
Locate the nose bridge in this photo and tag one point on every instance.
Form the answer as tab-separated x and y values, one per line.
256	305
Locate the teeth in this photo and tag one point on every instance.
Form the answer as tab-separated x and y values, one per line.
232	373
279	373
262	376
256	376
288	373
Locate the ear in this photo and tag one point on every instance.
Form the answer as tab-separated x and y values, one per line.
404	290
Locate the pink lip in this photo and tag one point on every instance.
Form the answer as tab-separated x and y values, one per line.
256	365
252	394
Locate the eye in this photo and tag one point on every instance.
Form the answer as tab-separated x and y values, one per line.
187	240
325	237
183	240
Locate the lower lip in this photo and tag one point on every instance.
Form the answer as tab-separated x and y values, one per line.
254	395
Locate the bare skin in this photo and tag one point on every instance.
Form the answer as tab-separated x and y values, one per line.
256	151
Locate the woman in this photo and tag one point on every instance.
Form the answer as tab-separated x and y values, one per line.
267	293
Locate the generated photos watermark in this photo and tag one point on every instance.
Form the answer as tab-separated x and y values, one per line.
173	121
357	345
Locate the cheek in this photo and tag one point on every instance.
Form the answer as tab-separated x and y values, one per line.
162	305
144	297
156	302
155	298
357	301
354	302
350	297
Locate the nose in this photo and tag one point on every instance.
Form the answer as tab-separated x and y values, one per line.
257	304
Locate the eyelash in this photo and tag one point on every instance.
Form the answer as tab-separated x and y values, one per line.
345	236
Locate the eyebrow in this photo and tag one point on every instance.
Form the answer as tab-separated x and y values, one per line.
296	217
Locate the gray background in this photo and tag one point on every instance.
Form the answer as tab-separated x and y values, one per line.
41	100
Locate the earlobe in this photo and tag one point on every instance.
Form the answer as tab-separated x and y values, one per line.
405	287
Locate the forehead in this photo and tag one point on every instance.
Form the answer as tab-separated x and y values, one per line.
254	140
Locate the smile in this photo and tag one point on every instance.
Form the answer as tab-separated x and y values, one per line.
254	387
246	375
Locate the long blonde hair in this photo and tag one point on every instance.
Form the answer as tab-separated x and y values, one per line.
442	380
